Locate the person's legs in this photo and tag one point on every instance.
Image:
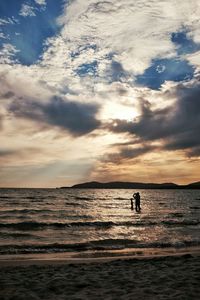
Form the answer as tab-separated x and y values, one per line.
137	205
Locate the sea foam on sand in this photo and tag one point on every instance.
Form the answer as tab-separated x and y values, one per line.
168	277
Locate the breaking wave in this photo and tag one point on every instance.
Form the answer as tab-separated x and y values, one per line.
96	245
40	225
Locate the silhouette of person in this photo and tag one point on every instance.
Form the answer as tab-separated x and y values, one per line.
131	203
136	196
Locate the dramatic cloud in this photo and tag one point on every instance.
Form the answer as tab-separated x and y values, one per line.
110	86
128	30
126	153
77	118
177	126
6	152
16	153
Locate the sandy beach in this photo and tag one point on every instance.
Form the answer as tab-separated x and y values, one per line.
167	277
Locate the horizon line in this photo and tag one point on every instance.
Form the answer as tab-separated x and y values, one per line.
138	182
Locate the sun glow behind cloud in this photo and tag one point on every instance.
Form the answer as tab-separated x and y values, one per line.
98	90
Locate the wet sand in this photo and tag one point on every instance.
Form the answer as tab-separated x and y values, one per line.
167	277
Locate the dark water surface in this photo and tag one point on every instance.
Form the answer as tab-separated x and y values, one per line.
58	220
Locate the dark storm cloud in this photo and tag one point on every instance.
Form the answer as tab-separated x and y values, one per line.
178	126
127	153
8	95
194	152
146	125
7	152
77	118
21	152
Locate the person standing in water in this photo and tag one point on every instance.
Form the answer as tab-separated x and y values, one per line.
131	203
136	196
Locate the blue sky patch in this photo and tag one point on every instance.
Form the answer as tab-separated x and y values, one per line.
175	69
28	33
184	43
116	72
163	70
87	69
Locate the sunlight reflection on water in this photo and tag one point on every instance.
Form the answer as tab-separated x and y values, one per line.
98	218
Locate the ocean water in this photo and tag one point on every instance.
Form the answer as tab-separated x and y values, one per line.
82	220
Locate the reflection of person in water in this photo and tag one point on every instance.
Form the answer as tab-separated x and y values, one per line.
136	196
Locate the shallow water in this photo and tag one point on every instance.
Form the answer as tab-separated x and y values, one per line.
65	220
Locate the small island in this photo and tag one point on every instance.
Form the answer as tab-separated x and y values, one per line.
132	185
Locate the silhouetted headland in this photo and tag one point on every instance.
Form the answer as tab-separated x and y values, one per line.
132	185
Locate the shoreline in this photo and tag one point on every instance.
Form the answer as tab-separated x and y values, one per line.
88	257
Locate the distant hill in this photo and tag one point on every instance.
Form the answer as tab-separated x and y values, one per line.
194	185
132	185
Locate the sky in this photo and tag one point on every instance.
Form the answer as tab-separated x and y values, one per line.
99	90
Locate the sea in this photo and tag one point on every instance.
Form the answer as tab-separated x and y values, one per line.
96	222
